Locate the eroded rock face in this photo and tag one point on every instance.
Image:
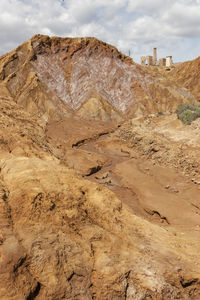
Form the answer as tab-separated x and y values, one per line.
89	211
64	237
56	77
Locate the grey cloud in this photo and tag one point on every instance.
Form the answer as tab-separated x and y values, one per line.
136	25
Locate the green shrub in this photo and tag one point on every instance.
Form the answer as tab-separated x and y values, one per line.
188	112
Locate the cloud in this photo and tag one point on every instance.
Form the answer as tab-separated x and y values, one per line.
136	25
152	7
184	19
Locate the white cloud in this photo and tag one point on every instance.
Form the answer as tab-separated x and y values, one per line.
137	25
148	7
184	19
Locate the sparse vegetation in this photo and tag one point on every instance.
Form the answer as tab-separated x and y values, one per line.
188	112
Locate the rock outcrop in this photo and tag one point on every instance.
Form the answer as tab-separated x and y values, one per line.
56	77
92	209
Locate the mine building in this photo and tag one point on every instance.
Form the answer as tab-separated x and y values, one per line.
169	62
162	62
153	60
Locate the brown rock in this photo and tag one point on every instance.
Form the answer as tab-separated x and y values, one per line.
65	237
55	77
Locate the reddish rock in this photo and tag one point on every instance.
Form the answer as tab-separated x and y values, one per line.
55	77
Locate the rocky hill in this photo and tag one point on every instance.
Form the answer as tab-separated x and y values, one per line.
92	209
56	77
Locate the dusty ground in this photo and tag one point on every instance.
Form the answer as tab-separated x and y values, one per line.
93	211
151	164
68	237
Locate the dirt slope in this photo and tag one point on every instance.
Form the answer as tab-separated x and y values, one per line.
187	74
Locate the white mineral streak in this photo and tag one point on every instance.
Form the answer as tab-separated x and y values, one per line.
110	77
52	74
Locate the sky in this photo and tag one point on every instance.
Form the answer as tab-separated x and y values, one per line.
133	26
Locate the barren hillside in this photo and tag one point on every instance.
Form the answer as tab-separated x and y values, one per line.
91	208
56	77
187	74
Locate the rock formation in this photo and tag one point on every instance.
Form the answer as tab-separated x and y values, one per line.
92	209
55	77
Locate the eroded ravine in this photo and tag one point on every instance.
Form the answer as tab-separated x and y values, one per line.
158	193
106	175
